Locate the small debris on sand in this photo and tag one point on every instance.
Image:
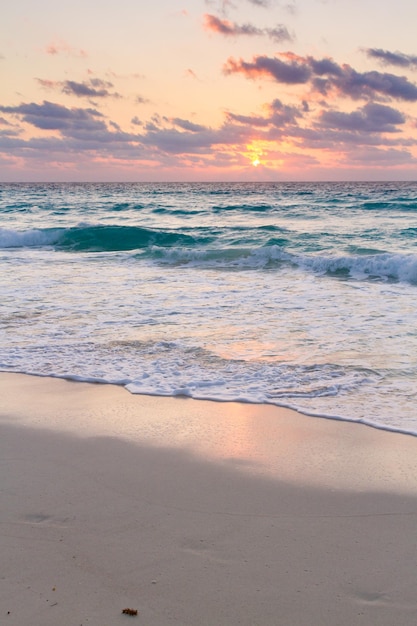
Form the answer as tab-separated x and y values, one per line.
130	611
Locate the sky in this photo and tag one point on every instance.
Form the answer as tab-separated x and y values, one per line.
208	90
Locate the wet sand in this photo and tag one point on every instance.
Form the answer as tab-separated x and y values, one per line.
198	513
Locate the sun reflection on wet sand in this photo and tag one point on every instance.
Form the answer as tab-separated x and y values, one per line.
276	443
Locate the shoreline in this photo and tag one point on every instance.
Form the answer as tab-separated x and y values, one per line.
279	407
196	512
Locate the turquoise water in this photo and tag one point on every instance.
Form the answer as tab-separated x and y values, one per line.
301	295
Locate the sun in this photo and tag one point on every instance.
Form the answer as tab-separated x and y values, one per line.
255	152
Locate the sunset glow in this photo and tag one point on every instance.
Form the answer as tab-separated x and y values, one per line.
179	90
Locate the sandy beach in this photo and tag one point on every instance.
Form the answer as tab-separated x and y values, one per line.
198	513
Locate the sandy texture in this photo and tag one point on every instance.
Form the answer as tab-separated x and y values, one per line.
198	513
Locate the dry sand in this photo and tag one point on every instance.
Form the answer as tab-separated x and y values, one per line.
198	513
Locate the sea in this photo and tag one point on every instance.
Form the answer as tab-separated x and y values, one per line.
301	295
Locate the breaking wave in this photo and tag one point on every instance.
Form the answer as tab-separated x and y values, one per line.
383	266
204	249
100	238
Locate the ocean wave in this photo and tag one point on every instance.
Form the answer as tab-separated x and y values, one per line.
163	210
382	266
233	258
399	204
201	249
260	208
29	238
96	238
397	267
118	238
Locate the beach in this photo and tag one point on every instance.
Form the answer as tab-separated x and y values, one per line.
196	512
208	344
296	295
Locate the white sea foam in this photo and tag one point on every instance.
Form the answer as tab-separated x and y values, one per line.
401	267
28	238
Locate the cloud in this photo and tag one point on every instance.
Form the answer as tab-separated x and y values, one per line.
291	73
278	33
372	118
381	157
81	135
249	120
173	141
187	125
93	88
141	100
324	76
48	84
86	130
64	48
184	137
52	116
279	115
321	67
231	29
223	6
310	133
368	84
224	27
373	125
397	59
318	137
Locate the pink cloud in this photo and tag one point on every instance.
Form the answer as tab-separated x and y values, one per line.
231	29
324	76
64	48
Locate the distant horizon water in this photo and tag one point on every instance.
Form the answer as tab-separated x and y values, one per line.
298	294
305	181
